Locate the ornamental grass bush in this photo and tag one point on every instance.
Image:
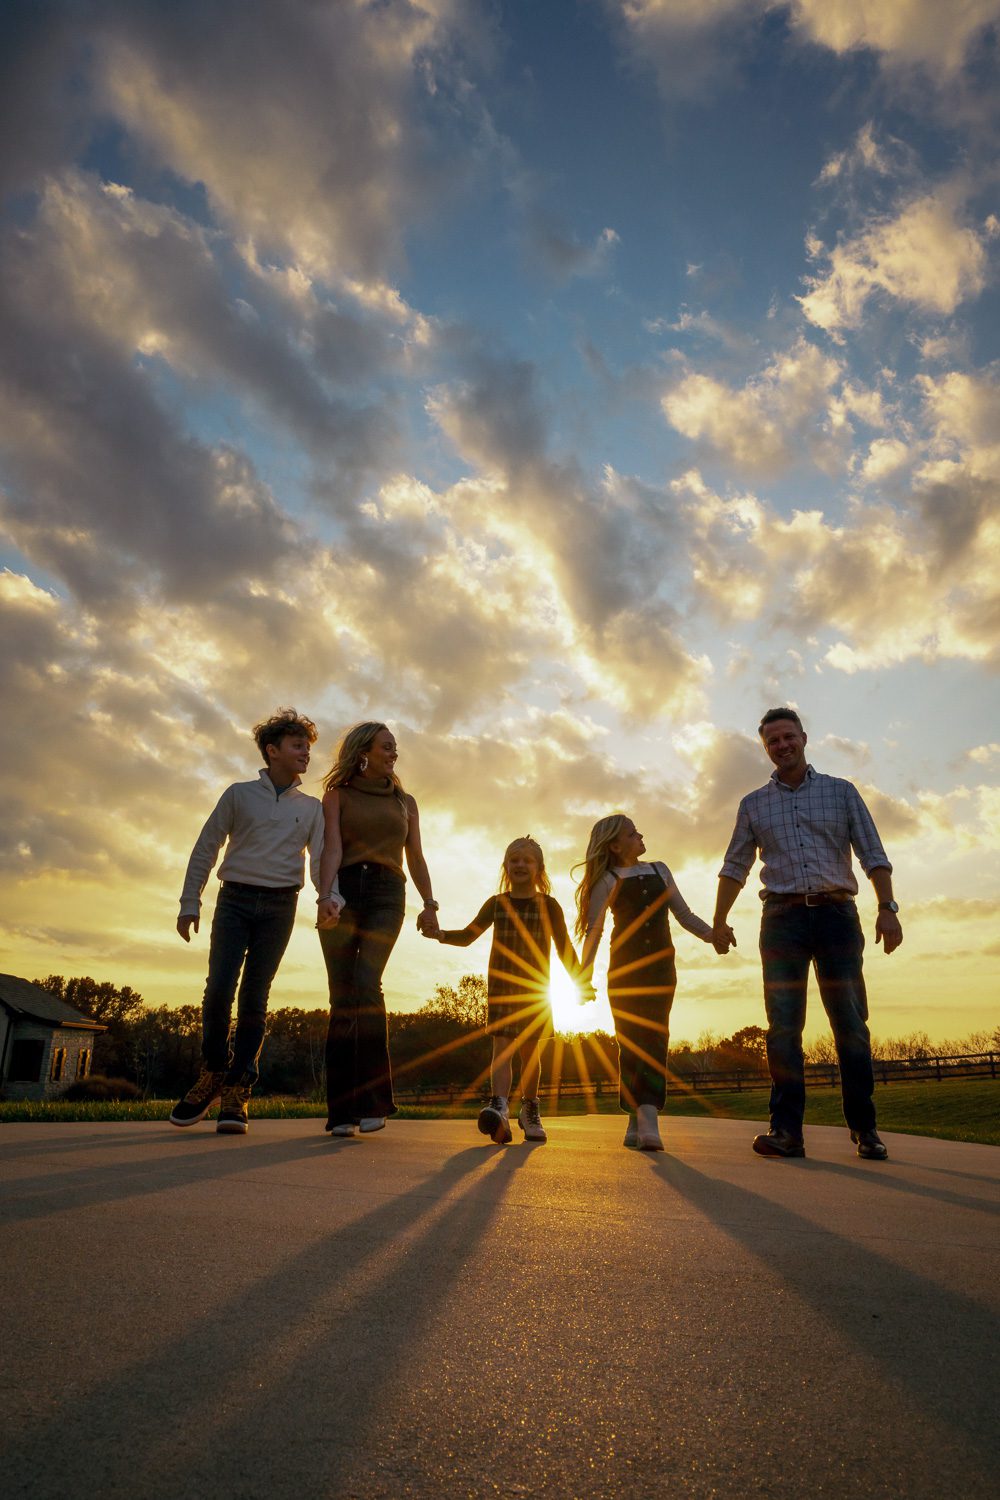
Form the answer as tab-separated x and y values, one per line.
98	1089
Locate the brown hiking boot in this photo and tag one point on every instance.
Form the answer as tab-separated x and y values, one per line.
233	1114
199	1099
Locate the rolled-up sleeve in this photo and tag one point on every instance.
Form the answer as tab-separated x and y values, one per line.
742	849
864	835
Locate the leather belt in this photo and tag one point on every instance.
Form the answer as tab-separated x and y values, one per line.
269	890
808	898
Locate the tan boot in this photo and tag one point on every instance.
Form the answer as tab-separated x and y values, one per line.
233	1114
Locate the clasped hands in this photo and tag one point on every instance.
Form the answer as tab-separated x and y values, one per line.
427	922
723	938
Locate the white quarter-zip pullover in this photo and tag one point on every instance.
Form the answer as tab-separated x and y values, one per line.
268	833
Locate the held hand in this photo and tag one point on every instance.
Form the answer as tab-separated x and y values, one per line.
327	915
184	926
723	938
427	922
888	931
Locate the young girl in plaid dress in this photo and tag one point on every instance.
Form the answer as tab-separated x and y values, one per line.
526	920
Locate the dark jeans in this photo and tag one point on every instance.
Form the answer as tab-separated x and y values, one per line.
250	931
829	937
358	1075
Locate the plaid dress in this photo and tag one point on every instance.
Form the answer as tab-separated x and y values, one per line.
524	929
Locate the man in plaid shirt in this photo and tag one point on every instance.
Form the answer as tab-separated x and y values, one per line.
804	825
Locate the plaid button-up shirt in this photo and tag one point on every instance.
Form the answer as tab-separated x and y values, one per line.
805	836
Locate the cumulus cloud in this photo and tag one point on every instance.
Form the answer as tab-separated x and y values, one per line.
694	43
104	269
787	412
354	126
926	256
98	469
107	724
913	34
605	549
885	456
963	409
888	584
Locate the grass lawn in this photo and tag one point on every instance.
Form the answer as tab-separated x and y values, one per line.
960	1110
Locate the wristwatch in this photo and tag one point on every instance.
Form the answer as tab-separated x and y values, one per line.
888	906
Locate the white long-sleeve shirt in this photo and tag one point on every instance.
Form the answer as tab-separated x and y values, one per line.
604	889
268	833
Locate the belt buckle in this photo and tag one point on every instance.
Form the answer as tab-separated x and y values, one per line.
813	898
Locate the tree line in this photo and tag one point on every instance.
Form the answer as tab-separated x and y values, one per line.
158	1049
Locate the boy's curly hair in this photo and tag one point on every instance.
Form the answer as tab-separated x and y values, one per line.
286	721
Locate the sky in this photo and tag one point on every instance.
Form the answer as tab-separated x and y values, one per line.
562	384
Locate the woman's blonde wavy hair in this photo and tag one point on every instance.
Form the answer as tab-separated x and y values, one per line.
596	862
347	762
543	884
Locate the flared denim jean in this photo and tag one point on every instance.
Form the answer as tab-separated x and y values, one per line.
358	1072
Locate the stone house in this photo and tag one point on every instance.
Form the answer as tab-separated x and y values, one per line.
45	1045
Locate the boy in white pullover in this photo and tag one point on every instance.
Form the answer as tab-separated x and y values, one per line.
269	823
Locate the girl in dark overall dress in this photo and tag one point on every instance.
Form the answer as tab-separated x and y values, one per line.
526	920
641	973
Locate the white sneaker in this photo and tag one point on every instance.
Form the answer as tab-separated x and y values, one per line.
530	1121
649	1128
341	1129
631	1134
374	1122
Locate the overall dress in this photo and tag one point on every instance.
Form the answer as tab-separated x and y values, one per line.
642	978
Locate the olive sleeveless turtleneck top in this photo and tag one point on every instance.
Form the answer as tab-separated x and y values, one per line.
374	823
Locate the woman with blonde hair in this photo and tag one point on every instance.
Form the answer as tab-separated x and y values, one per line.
641	973
370	822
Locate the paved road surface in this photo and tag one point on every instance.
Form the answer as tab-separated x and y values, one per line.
420	1313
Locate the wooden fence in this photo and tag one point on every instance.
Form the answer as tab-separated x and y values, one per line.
735	1081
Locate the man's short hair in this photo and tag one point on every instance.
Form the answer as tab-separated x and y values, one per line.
779	713
285	722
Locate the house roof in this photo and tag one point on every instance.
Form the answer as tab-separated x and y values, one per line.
22	998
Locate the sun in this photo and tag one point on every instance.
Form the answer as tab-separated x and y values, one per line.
569	1014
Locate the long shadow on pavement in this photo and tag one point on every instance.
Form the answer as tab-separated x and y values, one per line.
288	1371
115	1135
883	1178
161	1166
944	1356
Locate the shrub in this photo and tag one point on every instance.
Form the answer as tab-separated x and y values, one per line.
98	1088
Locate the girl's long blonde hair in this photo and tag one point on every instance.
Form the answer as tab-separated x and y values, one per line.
347	762
543	885
597	861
